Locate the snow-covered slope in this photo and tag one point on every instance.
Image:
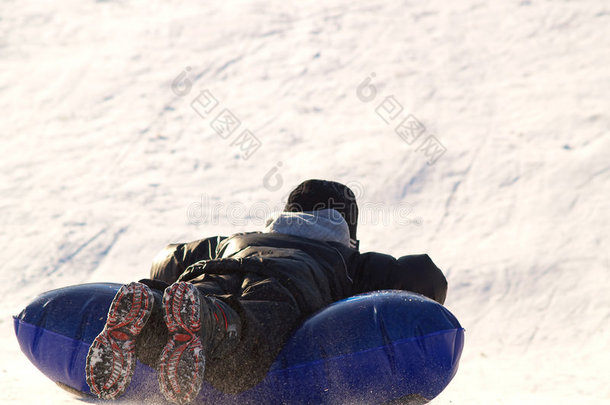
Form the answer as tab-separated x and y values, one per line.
108	153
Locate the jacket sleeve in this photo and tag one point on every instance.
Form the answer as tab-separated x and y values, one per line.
416	273
171	262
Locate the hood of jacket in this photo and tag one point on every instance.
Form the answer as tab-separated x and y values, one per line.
327	225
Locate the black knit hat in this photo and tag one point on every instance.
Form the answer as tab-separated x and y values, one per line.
312	195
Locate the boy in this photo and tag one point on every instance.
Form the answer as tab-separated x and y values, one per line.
221	308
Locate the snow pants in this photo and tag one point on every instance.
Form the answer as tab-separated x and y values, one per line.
269	314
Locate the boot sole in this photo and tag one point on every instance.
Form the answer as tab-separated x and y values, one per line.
182	361
111	359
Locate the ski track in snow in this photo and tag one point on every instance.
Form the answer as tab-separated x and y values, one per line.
105	159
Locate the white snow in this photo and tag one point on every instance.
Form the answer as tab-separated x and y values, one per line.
104	160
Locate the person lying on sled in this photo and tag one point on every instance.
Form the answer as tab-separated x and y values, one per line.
221	308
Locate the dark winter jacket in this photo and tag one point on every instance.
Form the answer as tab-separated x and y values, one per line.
337	271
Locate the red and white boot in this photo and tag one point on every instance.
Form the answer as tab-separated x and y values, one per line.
198	326
111	359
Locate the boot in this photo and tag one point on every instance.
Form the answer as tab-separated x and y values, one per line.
111	359
199	326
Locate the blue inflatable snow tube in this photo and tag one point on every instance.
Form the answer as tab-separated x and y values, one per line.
372	348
